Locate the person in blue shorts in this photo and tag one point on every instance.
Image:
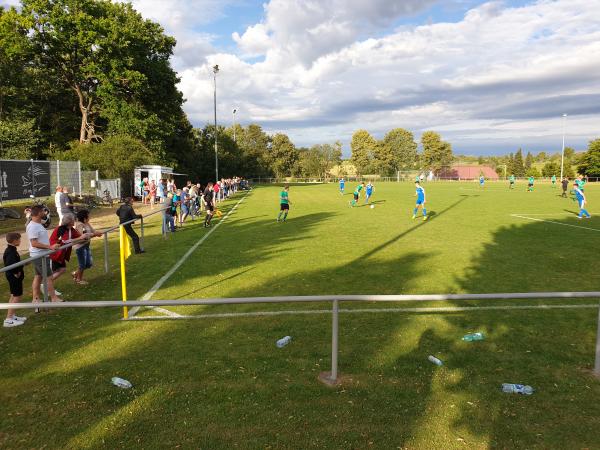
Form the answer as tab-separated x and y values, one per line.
342	185
481	181
420	193
368	192
582	202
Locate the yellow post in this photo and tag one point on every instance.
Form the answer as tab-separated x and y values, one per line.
123	247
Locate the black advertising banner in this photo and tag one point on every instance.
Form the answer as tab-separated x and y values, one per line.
20	179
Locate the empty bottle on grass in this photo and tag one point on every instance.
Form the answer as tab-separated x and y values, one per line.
120	382
436	361
284	341
511	388
473	337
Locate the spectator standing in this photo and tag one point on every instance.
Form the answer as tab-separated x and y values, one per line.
209	196
82	249
184	209
170	213
215	189
58	202
14	277
160	191
126	213
152	189
62	235
39	243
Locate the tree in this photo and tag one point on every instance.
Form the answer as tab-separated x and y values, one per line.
532	172
397	151
106	54
551	168
283	156
437	154
528	161
518	168
363	147
254	144
590	161
541	157
18	139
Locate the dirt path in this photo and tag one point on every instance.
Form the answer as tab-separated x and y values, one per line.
100	218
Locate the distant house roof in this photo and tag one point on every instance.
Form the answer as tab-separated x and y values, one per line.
469	172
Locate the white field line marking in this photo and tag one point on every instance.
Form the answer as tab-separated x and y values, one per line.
448	309
549	214
148	295
556	223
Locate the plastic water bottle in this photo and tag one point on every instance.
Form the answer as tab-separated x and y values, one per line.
433	359
473	337
284	341
511	388
120	382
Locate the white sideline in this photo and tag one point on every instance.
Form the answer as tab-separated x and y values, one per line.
556	223
447	309
148	295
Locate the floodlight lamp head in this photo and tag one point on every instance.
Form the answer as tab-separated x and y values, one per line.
234	110
216	68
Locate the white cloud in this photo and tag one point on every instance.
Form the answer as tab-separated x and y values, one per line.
319	70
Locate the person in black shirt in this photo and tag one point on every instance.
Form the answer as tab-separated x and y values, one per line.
15	278
208	200
565	186
126	213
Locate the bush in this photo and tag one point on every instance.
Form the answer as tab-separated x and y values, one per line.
551	168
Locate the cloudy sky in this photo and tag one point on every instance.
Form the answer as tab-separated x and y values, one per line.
490	76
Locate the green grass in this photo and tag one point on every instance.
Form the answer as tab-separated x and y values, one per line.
222	383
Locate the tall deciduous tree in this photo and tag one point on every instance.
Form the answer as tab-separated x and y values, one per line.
283	156
105	53
437	154
397	151
590	161
363	147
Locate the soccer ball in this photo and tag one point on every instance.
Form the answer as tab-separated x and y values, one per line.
372	206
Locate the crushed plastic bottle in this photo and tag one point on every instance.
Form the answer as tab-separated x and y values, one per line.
511	388
120	382
283	341
473	337
436	361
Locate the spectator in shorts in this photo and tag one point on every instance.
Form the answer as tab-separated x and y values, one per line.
82	249
14	277
62	235
170	213
39	243
215	190
160	191
184	209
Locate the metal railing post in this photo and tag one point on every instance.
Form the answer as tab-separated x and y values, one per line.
334	340
142	232
597	363
106	268
45	277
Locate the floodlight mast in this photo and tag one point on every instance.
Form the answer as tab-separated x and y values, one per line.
215	71
562	154
234	111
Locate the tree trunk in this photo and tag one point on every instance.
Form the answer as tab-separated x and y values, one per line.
86	132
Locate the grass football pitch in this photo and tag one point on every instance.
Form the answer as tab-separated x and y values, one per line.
210	381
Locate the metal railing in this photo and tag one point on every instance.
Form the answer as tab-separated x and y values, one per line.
335	300
46	254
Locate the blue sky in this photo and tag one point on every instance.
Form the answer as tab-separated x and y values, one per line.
489	76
